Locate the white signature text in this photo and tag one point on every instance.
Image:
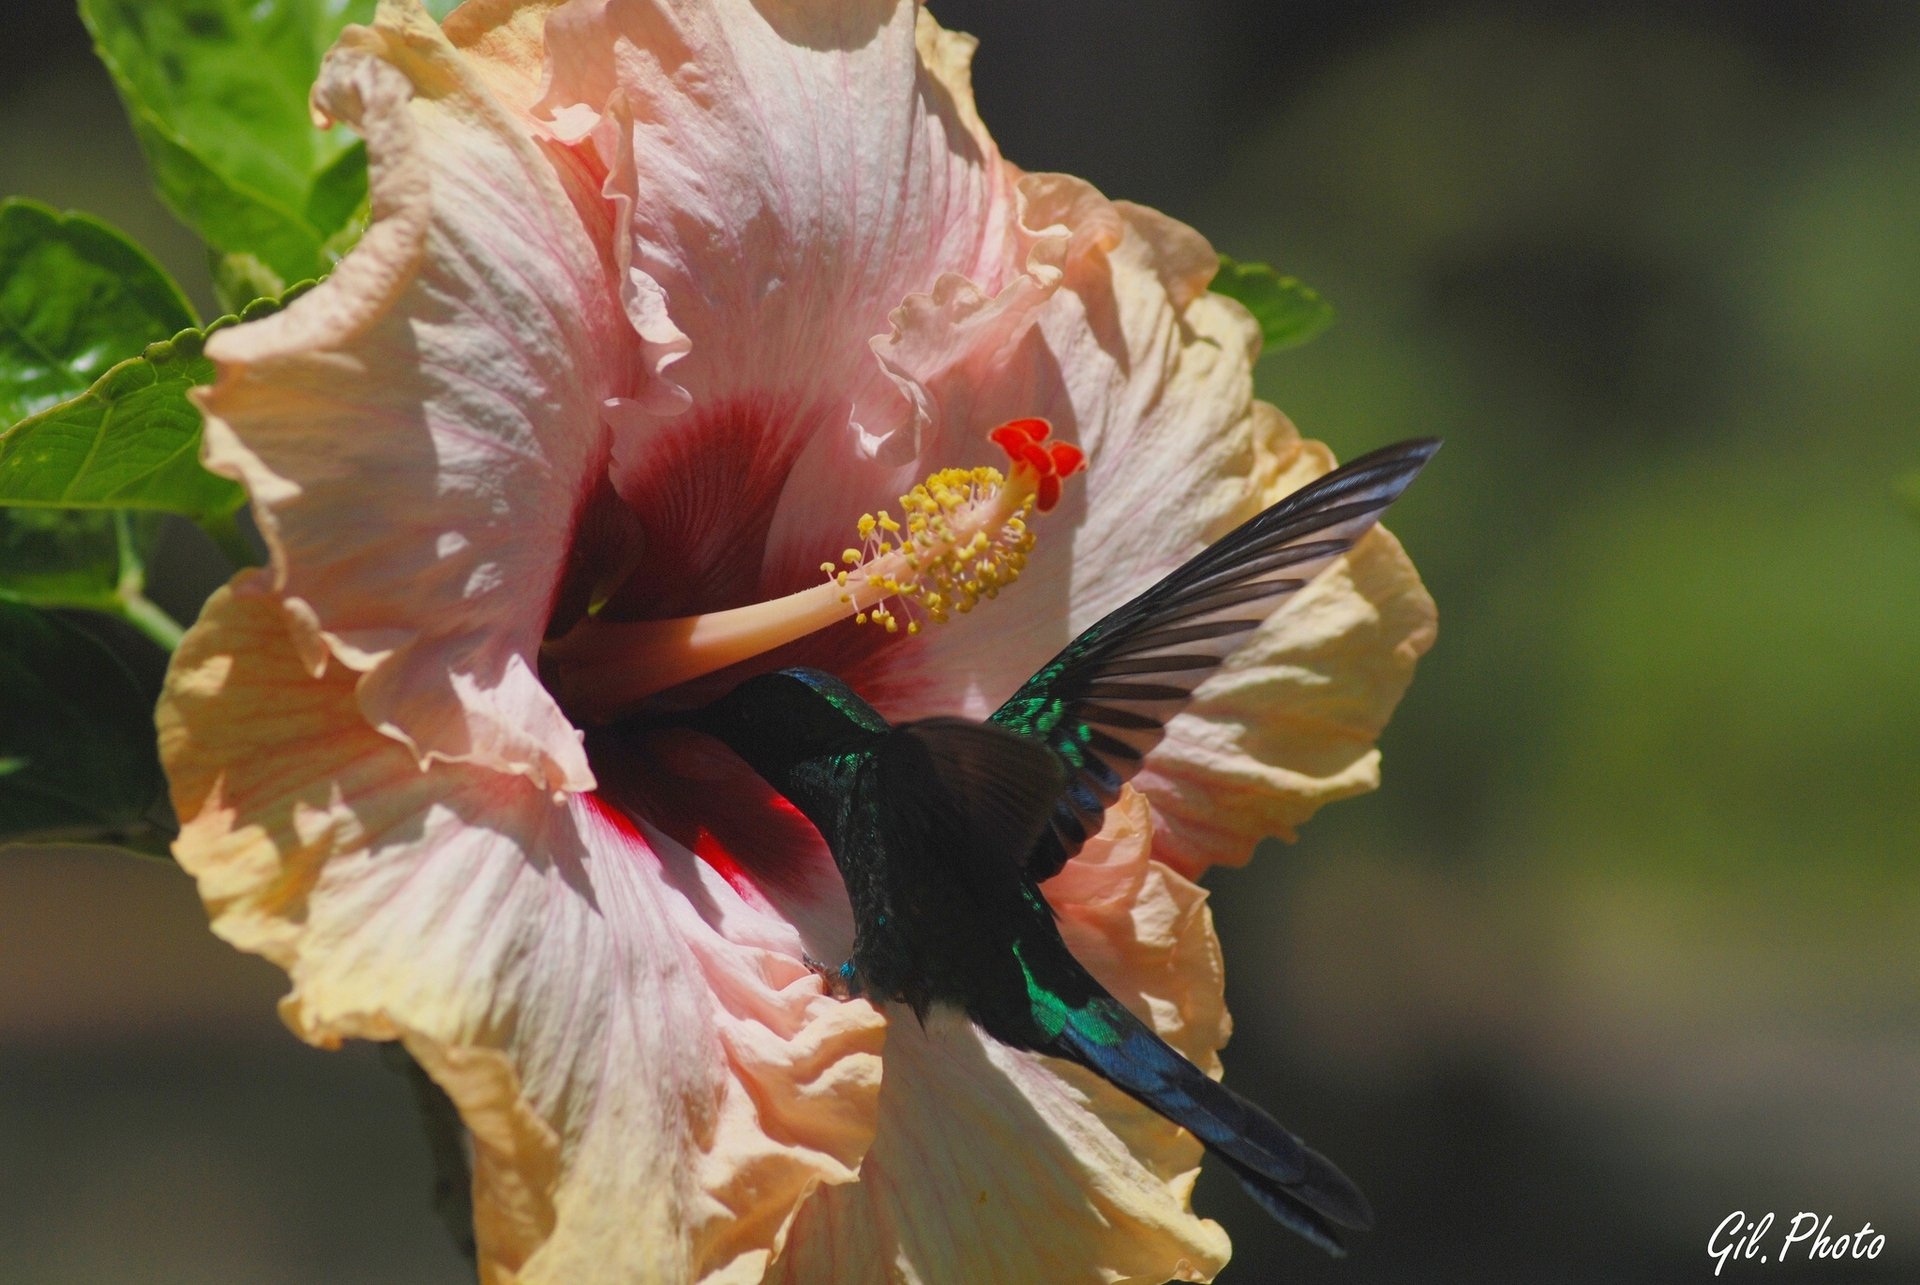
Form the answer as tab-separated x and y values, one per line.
1739	1238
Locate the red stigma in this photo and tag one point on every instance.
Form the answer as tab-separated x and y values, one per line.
1015	434
1051	464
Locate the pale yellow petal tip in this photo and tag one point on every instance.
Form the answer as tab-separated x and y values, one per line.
1290	723
320	844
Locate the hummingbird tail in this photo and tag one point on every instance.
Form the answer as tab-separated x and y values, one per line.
1297	1186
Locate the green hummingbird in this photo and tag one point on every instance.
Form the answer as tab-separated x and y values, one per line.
945	828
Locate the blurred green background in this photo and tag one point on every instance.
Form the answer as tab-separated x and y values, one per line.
1631	937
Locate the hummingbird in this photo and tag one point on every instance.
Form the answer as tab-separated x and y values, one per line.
945	828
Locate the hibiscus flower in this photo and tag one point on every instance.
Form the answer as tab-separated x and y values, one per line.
658	298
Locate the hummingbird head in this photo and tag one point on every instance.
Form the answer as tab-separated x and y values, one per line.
779	720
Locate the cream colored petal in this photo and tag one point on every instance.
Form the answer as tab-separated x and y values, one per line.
418	431
505	42
653	1080
995	1165
1152	375
1289	723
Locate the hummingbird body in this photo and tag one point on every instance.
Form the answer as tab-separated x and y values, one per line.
938	902
944	828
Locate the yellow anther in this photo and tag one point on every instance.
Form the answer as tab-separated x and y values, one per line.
962	537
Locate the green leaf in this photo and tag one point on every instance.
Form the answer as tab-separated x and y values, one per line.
339	197
83	558
1289	312
75	297
1907	490
217	93
77	739
60	557
131	441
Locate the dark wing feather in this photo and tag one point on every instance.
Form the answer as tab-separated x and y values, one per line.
1103	702
952	782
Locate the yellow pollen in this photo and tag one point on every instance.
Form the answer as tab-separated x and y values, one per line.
963	536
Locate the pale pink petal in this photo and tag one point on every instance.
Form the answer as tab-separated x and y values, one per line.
943	347
808	192
1134	360
418	432
994	1165
1153	378
653	1080
792	173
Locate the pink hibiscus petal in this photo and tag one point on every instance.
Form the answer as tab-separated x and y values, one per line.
779	213
418	432
653	1080
782	254
942	346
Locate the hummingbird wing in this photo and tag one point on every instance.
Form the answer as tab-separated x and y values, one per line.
952	782
1103	702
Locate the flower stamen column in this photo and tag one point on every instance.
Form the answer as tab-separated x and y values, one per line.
965	537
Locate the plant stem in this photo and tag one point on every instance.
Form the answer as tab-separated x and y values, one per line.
138	610
131	601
